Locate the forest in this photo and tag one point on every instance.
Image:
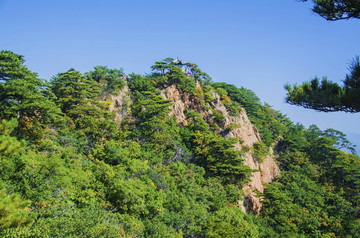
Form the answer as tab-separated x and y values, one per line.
102	154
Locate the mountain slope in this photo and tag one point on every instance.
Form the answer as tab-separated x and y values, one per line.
167	154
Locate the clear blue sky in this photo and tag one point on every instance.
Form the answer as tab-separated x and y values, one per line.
260	45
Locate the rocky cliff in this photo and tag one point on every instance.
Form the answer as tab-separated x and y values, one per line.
267	170
247	133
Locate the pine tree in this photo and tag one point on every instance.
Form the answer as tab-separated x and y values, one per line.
77	95
333	10
151	112
24	96
328	96
79	98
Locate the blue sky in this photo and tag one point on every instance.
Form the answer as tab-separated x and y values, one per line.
260	45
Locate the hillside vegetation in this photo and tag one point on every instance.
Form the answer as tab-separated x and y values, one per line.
103	154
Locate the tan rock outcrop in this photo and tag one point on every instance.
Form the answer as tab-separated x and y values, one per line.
247	133
120	104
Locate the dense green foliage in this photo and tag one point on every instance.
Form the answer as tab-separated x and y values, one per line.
68	169
333	10
110	80
318	191
328	96
25	97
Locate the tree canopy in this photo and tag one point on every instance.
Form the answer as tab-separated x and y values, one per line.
69	169
326	95
24	96
333	10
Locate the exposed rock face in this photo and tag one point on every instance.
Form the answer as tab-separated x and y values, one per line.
268	170
120	104
247	133
179	103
